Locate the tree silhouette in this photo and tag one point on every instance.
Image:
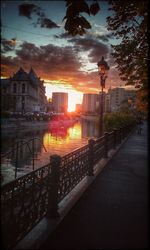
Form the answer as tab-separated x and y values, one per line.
129	23
75	23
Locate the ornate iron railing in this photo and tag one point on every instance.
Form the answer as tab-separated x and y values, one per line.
110	140
99	149
74	167
26	200
24	203
15	154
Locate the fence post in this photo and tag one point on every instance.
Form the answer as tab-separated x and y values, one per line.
126	131
52	211
91	157
123	133
16	162
33	154
106	145
115	137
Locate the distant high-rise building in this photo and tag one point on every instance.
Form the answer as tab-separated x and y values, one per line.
130	93
118	95
60	102
90	103
106	102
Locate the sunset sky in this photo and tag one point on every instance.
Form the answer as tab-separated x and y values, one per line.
65	63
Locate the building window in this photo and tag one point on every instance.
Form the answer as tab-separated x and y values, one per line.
14	103
23	104
19	88
23	98
5	91
23	88
14	88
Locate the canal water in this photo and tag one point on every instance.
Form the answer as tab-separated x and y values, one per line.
26	154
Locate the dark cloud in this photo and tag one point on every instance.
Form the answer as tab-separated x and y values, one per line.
52	57
8	61
88	36
8	45
28	9
63	35
104	38
56	63
96	49
47	23
9	65
50	61
97	53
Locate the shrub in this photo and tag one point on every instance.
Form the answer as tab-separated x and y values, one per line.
117	120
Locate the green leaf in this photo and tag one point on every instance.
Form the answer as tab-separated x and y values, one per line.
94	8
71	11
83	7
68	2
84	23
68	24
64	18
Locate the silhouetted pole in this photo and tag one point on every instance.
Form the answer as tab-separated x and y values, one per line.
101	114
103	69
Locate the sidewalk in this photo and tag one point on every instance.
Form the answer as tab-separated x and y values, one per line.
113	211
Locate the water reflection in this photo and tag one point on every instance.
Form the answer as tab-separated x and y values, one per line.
58	143
89	129
57	140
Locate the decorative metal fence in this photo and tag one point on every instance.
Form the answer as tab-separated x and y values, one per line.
24	203
15	156
74	167
26	200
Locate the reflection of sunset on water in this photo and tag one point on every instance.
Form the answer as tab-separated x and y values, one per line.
75	132
62	143
60	138
49	139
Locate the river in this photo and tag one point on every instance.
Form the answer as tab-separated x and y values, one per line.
61	140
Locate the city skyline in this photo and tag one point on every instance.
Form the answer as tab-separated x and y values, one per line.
37	39
72	100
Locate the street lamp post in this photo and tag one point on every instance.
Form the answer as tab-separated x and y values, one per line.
103	70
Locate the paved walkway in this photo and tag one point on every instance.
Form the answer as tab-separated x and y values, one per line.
113	212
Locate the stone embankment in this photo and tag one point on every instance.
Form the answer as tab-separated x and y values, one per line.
20	124
93	118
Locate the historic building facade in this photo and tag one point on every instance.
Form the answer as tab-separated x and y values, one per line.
24	92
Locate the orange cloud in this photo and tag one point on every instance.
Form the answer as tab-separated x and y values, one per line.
60	64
